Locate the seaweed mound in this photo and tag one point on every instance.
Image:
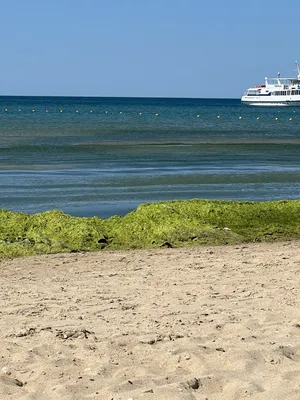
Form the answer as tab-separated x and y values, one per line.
153	225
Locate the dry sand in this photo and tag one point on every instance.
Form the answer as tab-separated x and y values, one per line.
204	323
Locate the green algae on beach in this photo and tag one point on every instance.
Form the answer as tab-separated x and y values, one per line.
151	225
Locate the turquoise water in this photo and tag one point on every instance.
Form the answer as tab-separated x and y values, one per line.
105	156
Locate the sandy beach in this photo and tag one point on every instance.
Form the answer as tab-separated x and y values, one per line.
204	323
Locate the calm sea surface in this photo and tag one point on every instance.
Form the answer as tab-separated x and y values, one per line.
105	156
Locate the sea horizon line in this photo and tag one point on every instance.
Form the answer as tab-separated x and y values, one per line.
121	97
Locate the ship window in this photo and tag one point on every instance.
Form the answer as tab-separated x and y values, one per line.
252	92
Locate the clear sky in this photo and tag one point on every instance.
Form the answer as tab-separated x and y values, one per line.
147	48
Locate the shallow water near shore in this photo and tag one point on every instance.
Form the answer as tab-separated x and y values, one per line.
105	156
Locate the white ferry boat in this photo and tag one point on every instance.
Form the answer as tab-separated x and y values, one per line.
275	92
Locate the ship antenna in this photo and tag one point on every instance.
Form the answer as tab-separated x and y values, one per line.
298	70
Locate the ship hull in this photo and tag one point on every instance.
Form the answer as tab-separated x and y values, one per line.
271	101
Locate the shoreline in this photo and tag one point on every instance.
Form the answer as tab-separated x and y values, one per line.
191	323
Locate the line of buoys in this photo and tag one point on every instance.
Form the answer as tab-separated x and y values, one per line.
140	113
77	111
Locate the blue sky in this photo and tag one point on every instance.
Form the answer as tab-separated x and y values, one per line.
147	48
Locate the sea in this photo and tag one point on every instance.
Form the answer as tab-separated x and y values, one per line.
89	156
